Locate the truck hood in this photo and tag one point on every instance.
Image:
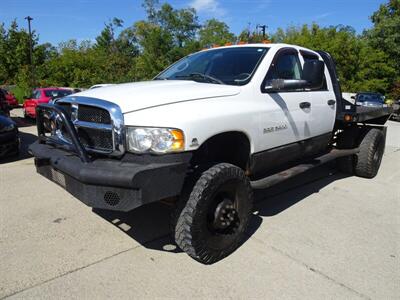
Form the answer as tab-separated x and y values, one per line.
142	95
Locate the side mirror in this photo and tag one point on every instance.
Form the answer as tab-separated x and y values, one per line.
313	73
313	78
353	97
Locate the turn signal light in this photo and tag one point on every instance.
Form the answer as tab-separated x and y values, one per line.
179	140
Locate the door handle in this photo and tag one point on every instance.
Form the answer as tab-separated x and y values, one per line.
304	105
331	102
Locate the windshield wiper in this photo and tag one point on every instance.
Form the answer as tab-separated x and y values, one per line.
201	75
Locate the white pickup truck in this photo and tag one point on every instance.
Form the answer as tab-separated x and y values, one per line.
207	131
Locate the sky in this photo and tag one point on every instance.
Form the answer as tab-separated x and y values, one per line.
60	20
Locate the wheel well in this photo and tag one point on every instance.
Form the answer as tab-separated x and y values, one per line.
229	147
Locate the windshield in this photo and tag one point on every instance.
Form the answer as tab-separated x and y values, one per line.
233	66
57	93
370	98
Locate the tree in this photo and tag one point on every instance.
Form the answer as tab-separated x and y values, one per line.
14	51
385	36
106	41
215	32
167	35
182	24
155	45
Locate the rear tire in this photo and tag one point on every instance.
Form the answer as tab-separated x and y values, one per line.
369	159
212	221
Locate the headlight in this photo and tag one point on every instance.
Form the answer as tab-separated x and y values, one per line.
158	140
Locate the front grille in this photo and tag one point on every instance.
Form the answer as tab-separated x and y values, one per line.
93	114
97	122
97	139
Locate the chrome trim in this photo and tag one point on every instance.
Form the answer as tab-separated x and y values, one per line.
92	125
117	121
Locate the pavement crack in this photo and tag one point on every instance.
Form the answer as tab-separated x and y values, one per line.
320	273
83	267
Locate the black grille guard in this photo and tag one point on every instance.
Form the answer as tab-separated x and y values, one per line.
76	145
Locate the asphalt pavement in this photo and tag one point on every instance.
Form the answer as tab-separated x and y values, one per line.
321	235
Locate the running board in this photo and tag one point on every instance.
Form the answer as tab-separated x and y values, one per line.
296	170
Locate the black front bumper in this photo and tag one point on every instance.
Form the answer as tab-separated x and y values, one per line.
110	183
101	182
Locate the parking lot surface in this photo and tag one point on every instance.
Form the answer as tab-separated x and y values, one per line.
319	235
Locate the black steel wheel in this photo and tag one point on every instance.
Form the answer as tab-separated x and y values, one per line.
212	222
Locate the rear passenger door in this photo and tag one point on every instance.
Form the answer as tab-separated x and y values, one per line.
323	109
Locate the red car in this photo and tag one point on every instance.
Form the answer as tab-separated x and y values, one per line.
42	95
10	98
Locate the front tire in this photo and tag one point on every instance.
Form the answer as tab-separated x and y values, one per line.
213	221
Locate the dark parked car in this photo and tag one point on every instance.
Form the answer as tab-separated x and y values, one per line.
370	99
9	140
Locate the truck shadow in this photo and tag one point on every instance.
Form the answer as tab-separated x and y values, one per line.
150	224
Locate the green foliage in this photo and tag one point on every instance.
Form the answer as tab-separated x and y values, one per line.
14	51
215	32
368	62
21	92
167	35
385	36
